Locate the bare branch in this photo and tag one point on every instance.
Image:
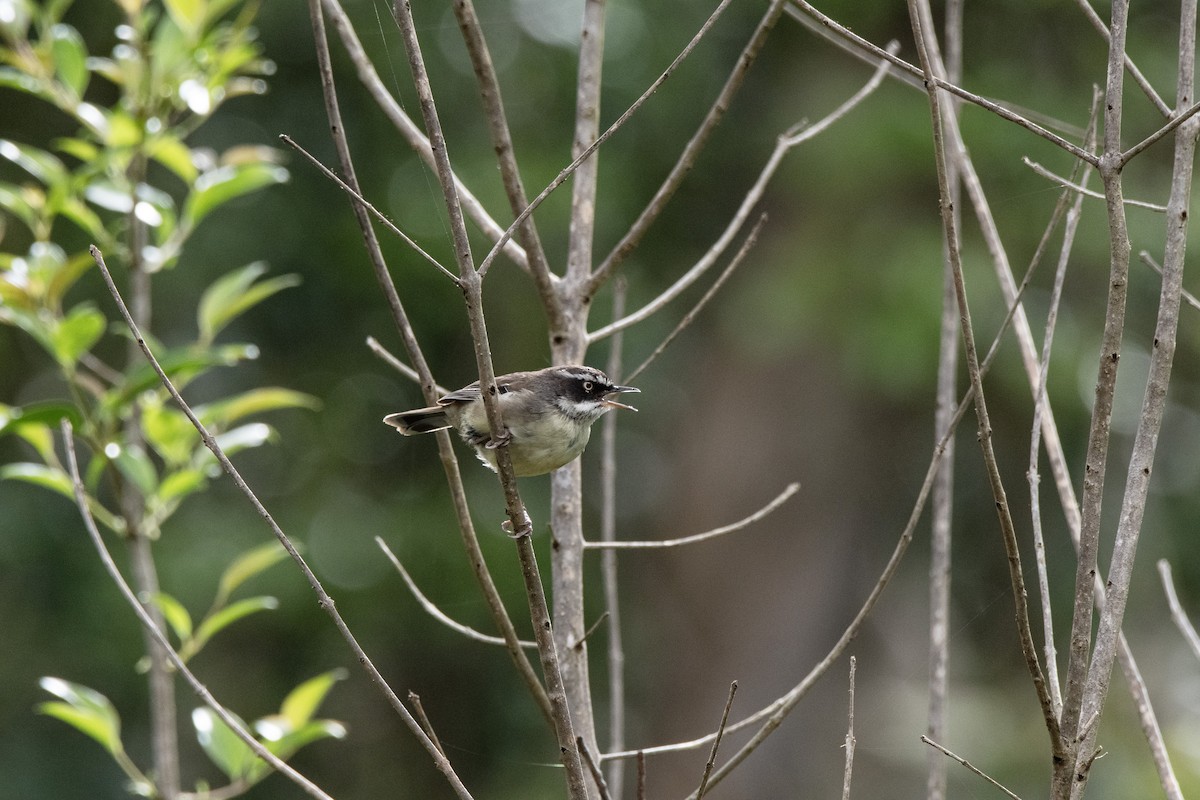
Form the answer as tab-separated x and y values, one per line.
436	612
1145	441
429	386
521	526
362	201
688	318
785	143
408	129
568	170
1149	261
921	18
687	158
423	718
712	754
1136	73
1083	190
1159	134
883	55
493	103
970	766
323	598
593	768
152	629
398	365
850	740
782	498
1178	615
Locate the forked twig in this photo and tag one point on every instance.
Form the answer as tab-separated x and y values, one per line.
81	500
779	500
436	612
323	598
423	718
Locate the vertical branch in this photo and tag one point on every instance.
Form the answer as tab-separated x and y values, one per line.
568	344
921	19
471	284
1145	440
466	525
1100	428
942	503
608	565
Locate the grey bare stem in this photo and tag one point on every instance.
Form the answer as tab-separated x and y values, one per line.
848	769
428	385
471	283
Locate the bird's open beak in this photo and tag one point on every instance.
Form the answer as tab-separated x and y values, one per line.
610	403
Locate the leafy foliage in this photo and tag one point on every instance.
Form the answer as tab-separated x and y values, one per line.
129	181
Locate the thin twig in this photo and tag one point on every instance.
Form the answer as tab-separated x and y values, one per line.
568	170
1178	615
1083	190
691	151
641	776
971	767
153	630
323	598
880	54
775	712
712	754
783	145
1149	261
593	768
848	770
404	369
521	526
688	318
779	500
436	612
423	718
921	18
1138	77
362	201
429	387
390	106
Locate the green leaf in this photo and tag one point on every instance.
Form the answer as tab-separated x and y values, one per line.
137	467
69	271
180	365
255	401
233	756
244	437
223	303
225	183
179	485
42	165
70	58
188	15
213	624
175	614
247	565
173	154
76	334
86	710
48	414
52	478
286	745
302	702
169	432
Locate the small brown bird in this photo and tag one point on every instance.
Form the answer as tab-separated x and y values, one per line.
548	413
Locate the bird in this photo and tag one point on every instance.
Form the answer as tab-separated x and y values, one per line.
548	413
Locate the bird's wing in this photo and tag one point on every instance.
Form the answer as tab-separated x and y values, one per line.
466	394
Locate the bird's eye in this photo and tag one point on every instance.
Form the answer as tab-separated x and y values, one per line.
588	386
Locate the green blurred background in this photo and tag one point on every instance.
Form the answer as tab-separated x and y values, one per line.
816	365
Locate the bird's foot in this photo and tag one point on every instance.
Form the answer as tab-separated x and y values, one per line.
499	441
525	529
